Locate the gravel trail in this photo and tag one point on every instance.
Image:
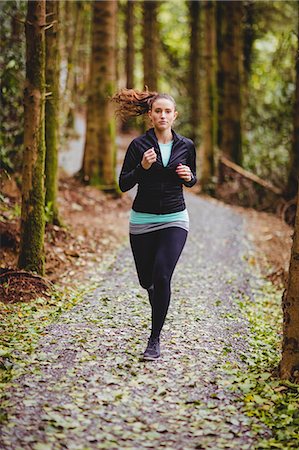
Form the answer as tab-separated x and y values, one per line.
87	387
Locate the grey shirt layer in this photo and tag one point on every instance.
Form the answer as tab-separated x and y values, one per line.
135	228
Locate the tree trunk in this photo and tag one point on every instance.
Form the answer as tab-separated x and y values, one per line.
208	96
130	49
220	71
52	110
249	36
129	57
289	365
100	152
194	76
292	183
72	36
150	44
31	255
229	18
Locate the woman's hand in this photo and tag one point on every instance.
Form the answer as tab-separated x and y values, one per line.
184	172
149	157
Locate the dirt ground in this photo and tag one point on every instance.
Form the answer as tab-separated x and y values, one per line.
96	224
272	240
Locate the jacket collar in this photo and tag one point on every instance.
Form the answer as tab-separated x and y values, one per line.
153	138
151	133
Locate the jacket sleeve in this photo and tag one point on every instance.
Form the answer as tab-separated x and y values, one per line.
132	170
192	164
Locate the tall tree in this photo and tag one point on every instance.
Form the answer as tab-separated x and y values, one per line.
292	183
208	114
229	46
249	35
100	152
130	48
150	44
52	110
73	29
289	365
31	255
194	64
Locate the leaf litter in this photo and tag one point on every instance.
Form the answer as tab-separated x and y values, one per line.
84	386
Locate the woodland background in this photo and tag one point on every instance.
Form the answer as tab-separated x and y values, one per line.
203	53
231	66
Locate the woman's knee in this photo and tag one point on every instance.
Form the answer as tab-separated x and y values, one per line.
161	280
145	283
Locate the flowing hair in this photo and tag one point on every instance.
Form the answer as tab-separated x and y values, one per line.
133	103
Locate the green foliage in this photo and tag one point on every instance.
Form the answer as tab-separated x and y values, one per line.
273	402
12	62
268	116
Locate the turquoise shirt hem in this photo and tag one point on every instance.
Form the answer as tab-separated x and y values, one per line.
142	218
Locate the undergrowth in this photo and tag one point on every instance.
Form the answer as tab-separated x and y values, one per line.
274	402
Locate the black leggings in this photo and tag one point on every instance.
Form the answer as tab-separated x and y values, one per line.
156	254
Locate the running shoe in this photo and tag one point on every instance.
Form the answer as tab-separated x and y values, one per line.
152	351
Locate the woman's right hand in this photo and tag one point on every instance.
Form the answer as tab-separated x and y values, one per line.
149	157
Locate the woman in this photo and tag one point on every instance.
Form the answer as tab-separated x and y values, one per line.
160	162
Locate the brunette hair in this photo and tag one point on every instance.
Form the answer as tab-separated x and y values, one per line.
132	103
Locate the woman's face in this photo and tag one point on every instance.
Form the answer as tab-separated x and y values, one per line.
162	114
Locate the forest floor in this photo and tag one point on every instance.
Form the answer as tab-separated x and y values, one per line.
83	384
78	382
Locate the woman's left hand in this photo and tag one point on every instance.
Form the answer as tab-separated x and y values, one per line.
184	172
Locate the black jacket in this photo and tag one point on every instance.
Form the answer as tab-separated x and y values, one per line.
160	189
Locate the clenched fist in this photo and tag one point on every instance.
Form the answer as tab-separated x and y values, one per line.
184	172
149	157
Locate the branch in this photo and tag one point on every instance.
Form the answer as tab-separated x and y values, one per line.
251	176
51	25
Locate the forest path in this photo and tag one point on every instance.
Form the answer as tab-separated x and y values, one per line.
86	387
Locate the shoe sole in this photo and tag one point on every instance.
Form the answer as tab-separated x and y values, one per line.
150	358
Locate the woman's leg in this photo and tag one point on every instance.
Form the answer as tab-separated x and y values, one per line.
144	247
169	248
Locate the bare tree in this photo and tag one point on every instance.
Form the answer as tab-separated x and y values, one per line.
31	255
150	44
52	109
100	152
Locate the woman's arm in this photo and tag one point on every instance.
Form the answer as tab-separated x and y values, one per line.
187	172
192	165
132	170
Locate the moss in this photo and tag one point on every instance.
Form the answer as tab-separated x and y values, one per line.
31	256
51	120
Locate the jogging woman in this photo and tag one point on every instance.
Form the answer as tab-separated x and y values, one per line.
160	162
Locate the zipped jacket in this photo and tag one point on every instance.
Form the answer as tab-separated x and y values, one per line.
160	189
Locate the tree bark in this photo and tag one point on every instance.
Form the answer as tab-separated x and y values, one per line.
292	183
249	36
150	44
52	110
130	49
289	365
208	95
100	153
73	10
229	43
194	64
31	255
